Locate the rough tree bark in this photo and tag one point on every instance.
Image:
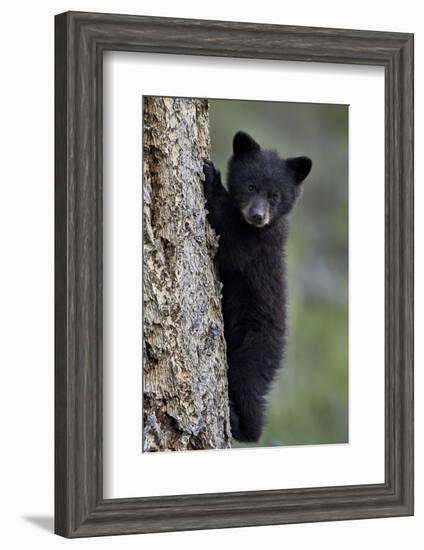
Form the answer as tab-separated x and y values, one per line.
185	393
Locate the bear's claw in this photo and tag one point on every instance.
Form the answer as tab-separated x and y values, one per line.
210	171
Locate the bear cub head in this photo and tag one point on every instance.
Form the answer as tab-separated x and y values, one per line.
263	185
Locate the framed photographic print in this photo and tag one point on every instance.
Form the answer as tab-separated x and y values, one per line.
234	274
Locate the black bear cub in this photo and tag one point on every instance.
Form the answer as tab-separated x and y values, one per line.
251	219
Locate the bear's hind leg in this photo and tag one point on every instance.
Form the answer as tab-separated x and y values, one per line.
247	417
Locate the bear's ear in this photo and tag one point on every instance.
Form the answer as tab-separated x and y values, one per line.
300	166
244	144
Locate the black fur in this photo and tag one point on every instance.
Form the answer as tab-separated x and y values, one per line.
251	221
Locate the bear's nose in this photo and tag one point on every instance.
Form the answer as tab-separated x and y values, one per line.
257	212
257	217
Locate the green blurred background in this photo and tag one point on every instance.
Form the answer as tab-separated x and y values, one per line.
309	400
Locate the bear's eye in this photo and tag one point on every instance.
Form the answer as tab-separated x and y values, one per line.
273	198
251	188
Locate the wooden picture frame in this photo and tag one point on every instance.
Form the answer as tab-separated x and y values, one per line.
80	40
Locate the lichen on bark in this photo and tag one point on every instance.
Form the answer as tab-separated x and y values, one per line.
185	397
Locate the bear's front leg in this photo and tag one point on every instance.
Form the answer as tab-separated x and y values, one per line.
212	180
217	199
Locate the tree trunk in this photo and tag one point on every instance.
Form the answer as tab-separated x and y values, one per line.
185	393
